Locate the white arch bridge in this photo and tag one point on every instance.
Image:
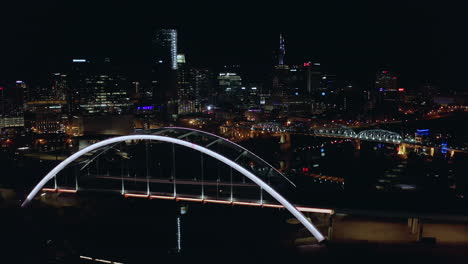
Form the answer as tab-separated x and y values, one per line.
234	164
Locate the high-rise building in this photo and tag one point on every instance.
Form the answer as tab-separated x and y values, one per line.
164	72
106	93
193	85
313	77
386	86
203	79
280	72
386	95
80	70
12	104
165	47
185	87
282	51
330	83
95	88
59	87
229	82
47	108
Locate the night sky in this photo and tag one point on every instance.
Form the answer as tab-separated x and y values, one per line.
421	41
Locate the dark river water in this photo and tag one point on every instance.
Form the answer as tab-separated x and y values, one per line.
375	176
136	230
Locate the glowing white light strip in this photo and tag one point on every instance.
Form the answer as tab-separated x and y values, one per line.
217	201
100	260
273	205
135	195
247	203
315	210
161	197
189	199
103	261
66	191
179	247
204	150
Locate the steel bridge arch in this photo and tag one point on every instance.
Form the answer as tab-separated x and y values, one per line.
337	130
278	197
380	135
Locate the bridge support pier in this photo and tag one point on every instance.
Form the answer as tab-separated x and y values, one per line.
330	227
420	231
402	149
285	141
357	144
416	227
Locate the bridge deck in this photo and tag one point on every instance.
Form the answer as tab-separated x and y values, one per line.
193	198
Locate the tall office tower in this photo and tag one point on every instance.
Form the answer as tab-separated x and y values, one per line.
385	96
106	91
330	83
20	93
80	70
165	47
282	51
193	86
386	86
313	77
12	105
12	99
164	72
97	88
203	83
185	90
229	82
59	87
280	72
185	87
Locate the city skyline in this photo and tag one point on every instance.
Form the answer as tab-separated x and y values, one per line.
325	130
419	43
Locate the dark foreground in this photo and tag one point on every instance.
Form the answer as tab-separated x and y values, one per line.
142	231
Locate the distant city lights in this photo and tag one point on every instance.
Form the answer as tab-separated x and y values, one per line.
145	107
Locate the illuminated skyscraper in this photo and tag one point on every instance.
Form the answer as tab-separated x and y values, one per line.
229	82
95	88
80	69
164	71
282	51
386	95
386	86
280	72
11	104
59	86
165	47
